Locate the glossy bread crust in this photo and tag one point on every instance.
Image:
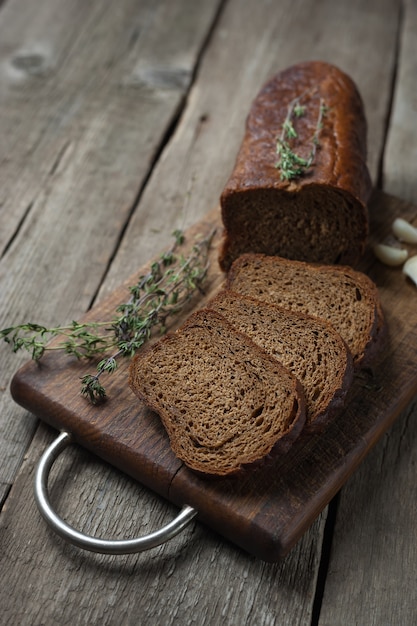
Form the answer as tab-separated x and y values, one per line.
339	172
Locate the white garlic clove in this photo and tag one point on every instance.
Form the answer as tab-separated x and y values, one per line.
404	231
390	255
410	268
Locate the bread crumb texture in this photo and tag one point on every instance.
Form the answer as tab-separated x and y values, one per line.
346	298
309	347
224	402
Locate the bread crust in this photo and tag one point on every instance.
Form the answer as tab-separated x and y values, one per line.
339	169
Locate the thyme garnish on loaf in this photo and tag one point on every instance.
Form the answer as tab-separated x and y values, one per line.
158	295
291	164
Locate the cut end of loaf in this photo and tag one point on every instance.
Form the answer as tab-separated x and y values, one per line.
225	403
315	223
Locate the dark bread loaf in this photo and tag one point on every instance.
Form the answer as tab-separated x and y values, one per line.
319	215
224	401
346	298
309	347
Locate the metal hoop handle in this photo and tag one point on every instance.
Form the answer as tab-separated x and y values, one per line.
104	546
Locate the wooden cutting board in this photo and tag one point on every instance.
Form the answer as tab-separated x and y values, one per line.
268	510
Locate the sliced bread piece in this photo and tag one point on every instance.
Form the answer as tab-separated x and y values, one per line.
224	401
346	298
309	347
314	212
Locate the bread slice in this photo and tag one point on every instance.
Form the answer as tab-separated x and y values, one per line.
319	215
309	347
225	403
346	298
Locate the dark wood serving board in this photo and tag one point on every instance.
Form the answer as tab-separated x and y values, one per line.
268	510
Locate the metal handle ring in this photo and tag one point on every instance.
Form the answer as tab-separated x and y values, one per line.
104	546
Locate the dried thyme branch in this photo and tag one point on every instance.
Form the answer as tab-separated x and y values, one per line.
289	162
158	295
80	339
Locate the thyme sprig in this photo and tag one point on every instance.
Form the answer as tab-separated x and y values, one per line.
291	164
158	295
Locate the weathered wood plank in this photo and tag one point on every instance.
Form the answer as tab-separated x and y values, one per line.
400	155
197	577
371	578
93	84
81	123
193	579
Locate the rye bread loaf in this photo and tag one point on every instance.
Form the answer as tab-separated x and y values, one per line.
346	298
309	347
320	215
225	403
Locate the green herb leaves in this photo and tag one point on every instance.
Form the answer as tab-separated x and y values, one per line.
291	164
81	340
158	295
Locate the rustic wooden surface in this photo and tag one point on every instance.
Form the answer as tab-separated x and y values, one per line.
266	512
120	122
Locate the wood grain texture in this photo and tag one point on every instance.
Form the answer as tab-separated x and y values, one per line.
198	576
374	547
401	151
87	93
185	580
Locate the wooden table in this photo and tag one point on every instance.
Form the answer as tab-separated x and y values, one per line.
119	123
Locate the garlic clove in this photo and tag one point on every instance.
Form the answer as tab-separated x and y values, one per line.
404	231
410	268
390	255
